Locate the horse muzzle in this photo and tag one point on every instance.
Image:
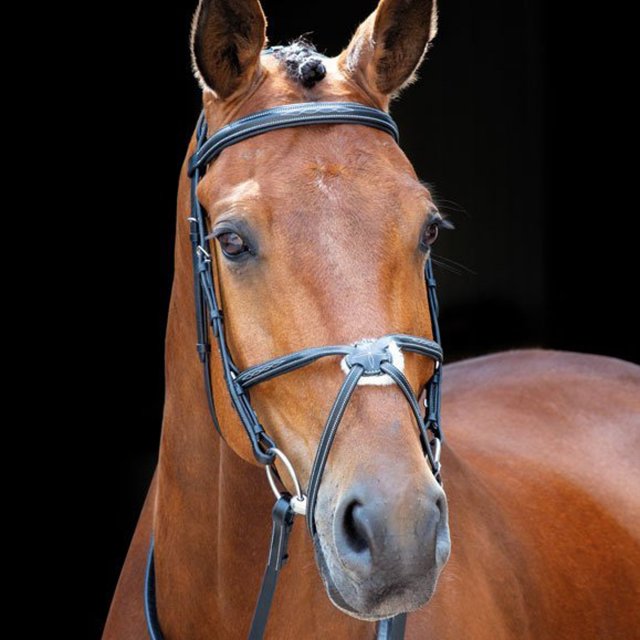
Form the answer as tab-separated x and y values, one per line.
380	553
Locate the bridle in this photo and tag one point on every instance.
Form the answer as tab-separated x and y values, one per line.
363	359
366	358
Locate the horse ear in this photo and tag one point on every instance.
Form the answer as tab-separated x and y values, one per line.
227	37
389	46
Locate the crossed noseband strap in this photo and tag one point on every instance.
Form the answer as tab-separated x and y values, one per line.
365	359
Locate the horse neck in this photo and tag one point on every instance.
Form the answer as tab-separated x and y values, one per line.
207	497
211	532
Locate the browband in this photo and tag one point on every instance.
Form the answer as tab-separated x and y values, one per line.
285	116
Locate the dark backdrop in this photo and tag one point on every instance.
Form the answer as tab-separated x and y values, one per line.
516	123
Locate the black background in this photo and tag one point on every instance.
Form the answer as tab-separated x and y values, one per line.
518	122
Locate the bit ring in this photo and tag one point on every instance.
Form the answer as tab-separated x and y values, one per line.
299	501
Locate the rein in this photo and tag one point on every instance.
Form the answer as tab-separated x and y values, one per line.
363	359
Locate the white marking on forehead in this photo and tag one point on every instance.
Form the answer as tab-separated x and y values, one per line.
397	359
327	176
322	185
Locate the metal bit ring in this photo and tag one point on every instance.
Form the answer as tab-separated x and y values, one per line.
299	501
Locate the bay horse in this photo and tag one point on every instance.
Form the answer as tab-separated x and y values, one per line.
320	236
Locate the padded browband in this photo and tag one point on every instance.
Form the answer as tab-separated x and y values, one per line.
289	115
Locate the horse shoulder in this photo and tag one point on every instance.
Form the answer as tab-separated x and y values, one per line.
541	470
571	414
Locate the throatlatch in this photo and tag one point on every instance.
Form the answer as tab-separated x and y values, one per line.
364	359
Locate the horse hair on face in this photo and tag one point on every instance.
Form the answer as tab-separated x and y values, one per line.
303	63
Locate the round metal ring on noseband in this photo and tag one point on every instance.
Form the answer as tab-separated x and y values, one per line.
299	501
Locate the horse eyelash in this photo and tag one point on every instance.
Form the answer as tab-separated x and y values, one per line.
443	222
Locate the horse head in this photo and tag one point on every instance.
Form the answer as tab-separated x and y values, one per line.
319	236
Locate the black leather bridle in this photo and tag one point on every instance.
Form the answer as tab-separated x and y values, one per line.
362	359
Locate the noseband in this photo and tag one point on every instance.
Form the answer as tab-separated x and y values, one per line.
364	359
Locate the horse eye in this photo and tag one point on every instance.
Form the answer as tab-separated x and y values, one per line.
232	244
430	234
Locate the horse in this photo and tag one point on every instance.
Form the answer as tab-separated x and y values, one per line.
320	236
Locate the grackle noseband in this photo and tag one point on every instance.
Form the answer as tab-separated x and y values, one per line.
363	359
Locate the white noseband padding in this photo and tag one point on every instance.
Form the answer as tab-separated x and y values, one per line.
397	359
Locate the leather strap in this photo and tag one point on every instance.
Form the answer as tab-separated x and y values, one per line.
326	440
291	115
292	361
392	628
150	609
282	517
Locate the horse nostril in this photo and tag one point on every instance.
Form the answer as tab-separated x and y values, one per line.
440	507
355	531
